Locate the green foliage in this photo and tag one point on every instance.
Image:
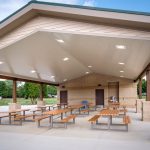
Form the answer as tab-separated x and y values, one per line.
32	91
144	88
3	89
51	90
25	90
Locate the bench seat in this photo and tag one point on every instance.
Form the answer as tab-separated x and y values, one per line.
67	119
40	118
94	119
85	111
126	121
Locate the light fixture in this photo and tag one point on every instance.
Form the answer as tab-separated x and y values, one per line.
1	62
121	63
32	71
60	41
65	80
87	72
65	59
121	71
121	76
90	66
52	76
120	46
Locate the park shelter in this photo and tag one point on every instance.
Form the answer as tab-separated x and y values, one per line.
89	53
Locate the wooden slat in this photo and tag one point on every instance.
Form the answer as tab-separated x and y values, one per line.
94	118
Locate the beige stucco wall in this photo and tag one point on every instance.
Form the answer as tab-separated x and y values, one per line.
146	111
84	88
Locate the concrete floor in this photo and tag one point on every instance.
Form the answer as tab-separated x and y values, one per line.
75	137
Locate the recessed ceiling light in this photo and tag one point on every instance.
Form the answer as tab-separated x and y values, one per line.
32	71
52	76
90	66
60	41
65	59
121	63
1	62
121	71
120	46
121	76
87	72
65	80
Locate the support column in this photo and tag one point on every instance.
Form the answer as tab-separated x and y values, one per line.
140	88
41	92
148	84
14	91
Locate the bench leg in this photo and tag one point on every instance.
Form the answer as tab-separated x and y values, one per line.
65	125
126	127
92	125
38	123
21	122
0	120
73	120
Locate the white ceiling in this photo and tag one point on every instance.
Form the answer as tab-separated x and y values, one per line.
41	52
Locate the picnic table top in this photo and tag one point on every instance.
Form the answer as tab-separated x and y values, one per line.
56	112
109	112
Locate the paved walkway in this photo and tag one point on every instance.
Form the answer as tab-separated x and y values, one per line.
75	137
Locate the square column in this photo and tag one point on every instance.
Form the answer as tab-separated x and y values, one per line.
140	88
148	84
14	91
41	92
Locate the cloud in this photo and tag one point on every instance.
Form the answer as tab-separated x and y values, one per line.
73	2
7	7
89	3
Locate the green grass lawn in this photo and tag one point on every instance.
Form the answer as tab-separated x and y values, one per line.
23	101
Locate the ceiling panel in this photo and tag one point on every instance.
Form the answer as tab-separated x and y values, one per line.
43	53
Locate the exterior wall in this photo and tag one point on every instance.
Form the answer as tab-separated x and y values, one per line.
139	105
146	111
84	89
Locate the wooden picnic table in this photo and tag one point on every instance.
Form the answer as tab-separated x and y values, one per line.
109	113
72	107
55	112
11	112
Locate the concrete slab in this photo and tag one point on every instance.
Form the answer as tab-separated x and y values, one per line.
77	136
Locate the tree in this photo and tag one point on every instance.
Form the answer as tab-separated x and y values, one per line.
3	89
32	91
9	85
144	87
51	90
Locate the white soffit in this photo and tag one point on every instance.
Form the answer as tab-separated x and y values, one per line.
43	53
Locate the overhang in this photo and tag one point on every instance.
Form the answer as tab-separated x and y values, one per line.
89	36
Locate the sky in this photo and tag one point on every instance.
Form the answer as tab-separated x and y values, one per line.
7	7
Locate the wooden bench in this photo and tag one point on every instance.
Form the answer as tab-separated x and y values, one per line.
122	111
94	120
126	121
3	115
21	117
40	118
67	119
85	111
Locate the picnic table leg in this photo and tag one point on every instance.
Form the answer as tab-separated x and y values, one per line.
24	115
61	116
79	111
10	118
109	122
51	121
33	114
